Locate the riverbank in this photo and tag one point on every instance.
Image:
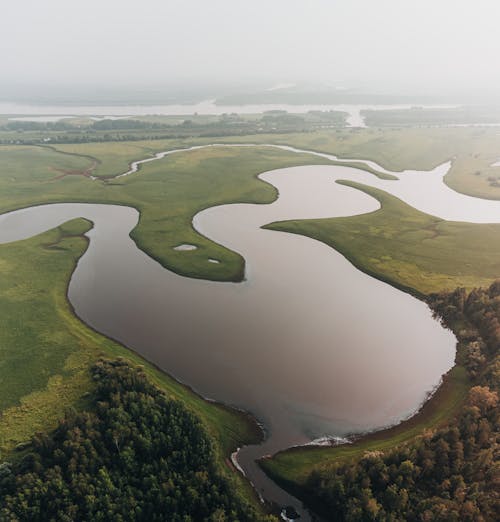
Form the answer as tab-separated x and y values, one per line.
109	298
376	243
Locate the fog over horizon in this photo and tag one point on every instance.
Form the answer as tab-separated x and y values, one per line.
189	46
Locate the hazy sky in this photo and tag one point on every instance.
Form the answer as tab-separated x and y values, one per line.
420	43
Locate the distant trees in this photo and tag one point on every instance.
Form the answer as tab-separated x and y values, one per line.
137	455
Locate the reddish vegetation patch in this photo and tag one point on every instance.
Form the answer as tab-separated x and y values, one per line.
87	173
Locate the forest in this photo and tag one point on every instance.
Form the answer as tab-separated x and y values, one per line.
448	474
133	454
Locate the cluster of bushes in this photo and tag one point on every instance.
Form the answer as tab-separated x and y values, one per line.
450	474
135	455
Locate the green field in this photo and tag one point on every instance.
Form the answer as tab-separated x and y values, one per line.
407	248
46	351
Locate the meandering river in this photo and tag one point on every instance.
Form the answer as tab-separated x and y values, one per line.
307	343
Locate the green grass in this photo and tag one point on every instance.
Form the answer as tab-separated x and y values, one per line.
115	157
472	149
46	351
407	248
418	117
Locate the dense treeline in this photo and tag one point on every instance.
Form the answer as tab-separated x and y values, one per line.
179	132
128	129
22	125
104	124
136	455
450	474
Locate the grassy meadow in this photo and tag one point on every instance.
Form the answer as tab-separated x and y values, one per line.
472	150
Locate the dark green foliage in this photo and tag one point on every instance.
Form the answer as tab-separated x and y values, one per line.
450	474
136	456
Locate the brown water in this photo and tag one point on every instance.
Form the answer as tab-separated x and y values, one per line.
309	344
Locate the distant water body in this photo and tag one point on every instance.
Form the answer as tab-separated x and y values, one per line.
208	107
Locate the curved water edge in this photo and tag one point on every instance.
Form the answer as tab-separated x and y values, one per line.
135	165
100	299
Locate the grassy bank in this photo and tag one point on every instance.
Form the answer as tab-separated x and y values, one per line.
407	248
473	151
428	117
46	351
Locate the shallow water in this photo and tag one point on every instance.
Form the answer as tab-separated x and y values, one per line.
307	343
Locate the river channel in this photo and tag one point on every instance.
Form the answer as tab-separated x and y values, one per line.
307	343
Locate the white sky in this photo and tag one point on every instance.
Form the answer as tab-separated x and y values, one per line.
420	43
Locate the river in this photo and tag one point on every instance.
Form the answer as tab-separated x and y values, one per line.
307	343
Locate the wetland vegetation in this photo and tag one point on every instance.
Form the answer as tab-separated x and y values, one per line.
168	193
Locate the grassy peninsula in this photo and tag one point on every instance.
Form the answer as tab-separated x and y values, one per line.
408	248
